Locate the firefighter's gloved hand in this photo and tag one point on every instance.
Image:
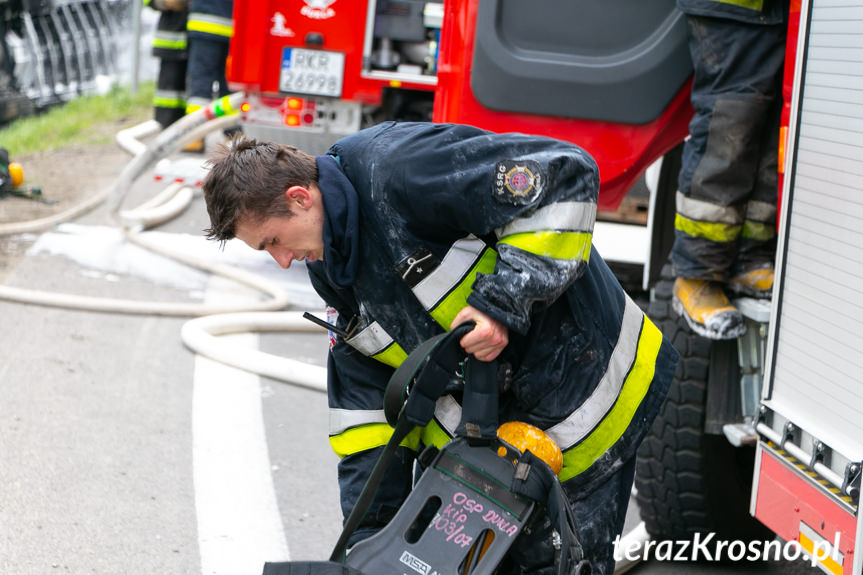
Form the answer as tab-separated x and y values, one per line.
487	339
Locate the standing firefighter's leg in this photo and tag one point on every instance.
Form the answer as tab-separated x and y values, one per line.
733	92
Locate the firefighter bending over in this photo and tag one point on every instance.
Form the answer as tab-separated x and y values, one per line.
409	229
725	228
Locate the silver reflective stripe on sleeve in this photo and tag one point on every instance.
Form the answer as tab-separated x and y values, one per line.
570	216
457	262
344	419
583	420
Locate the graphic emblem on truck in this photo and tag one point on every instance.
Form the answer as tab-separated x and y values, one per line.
318	9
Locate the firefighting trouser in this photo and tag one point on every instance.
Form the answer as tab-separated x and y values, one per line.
727	188
169	101
206	70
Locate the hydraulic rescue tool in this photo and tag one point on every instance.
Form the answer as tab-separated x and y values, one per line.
475	495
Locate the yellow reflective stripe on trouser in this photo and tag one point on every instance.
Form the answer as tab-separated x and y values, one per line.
553	244
209	24
758	231
164	44
578	458
716	232
169	99
756	5
169	40
760	211
366	437
702	211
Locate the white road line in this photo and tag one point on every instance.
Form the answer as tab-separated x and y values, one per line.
239	525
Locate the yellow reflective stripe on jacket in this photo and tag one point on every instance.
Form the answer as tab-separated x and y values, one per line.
447	416
444	291
209	24
612	427
374	342
758	231
558	245
569	216
444	313
716	232
393	355
434	434
364	437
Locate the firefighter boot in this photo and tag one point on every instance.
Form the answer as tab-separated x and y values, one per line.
754	283
706	309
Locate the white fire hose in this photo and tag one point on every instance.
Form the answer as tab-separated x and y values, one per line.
199	335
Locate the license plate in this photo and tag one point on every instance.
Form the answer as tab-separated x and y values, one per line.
313	72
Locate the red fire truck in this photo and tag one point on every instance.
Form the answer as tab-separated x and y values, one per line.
778	410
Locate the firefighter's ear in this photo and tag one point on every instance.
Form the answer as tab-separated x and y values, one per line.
299	197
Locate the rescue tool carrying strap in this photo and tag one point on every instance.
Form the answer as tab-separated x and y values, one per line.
410	401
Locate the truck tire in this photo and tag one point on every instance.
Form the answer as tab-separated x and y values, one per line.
689	481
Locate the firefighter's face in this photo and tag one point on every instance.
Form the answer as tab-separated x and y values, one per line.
289	238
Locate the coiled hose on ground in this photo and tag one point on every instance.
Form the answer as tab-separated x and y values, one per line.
200	335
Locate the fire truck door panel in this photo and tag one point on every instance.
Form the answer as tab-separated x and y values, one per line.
816	355
612	60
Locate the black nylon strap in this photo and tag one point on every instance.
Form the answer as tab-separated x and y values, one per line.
430	367
541	484
402	428
441	353
479	415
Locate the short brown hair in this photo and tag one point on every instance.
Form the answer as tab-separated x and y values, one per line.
248	179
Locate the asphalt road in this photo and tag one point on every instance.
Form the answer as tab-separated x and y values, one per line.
121	451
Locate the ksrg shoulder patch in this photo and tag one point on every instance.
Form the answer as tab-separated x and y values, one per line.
518	183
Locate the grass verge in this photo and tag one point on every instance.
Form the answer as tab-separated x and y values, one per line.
88	120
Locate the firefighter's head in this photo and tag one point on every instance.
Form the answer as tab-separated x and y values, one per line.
265	194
